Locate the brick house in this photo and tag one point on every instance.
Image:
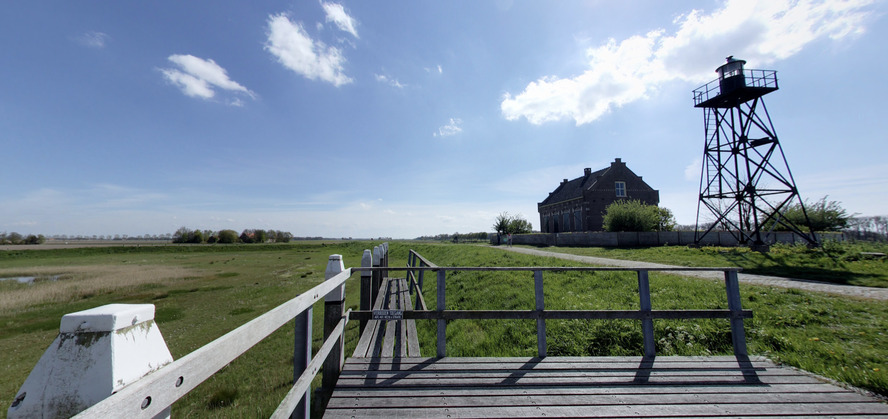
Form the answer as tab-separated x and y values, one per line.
579	204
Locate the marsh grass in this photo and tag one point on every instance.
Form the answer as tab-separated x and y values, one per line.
74	283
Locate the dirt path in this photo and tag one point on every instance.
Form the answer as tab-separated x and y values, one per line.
774	281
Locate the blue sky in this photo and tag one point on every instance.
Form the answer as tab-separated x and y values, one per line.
408	118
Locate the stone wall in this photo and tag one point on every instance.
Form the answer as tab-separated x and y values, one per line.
657	238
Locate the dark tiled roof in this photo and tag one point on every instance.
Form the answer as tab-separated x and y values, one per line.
572	189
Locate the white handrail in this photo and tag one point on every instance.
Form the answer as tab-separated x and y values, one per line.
160	389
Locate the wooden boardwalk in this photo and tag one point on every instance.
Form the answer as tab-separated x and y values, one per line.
390	338
588	387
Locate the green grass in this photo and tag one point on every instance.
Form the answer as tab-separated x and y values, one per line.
226	286
837	337
840	263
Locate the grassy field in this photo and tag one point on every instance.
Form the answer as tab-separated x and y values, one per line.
834	262
202	292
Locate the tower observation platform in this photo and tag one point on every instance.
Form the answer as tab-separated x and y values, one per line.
735	85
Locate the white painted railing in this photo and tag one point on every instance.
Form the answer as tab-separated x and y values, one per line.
77	371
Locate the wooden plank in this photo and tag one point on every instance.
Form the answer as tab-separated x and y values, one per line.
618	411
650	391
565	314
394	338
600	387
368	339
593	399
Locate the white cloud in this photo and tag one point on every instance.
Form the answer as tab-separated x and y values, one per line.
196	77
390	81
692	170
336	14
622	72
452	128
296	50
92	39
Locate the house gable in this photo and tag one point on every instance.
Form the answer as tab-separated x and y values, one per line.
579	204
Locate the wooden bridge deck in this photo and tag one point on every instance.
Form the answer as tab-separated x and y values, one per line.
390	338
588	387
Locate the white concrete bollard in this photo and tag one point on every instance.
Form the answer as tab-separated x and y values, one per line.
98	352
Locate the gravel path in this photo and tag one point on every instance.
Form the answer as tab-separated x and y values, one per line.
774	281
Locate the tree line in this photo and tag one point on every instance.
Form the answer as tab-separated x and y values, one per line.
187	235
16	238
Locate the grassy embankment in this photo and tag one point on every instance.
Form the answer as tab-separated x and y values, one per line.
841	263
202	292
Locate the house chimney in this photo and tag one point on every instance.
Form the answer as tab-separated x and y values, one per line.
618	160
564	181
587	171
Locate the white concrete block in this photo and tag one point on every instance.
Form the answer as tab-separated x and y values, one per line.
97	352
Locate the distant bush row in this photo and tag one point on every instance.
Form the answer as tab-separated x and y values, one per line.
16	238
187	235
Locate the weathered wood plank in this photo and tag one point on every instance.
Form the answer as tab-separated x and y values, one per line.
620	411
616	390
599	387
391	338
368	339
593	399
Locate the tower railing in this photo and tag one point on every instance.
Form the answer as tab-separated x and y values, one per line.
754	78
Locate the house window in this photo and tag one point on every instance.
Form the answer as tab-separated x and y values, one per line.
566	218
620	187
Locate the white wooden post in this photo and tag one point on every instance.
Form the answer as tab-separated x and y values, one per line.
333	312
97	352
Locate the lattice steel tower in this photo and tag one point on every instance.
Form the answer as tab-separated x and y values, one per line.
745	183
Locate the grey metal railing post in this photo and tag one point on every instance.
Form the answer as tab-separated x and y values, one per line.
738	335
647	322
442	324
366	290
376	279
301	358
540	306
333	313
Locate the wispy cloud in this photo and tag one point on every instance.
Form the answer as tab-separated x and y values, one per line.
297	51
389	81
92	39
453	127
621	72
197	77
336	14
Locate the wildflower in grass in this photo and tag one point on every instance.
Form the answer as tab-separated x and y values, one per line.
814	339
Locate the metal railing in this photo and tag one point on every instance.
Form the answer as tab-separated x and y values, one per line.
753	78
646	314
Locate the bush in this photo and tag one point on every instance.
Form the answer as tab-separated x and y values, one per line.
824	216
227	237
634	215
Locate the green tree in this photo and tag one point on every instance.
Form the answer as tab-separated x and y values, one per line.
634	215
511	224
227	237
824	215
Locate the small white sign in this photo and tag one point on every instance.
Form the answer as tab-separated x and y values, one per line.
388	314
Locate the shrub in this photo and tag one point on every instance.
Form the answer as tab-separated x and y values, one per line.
634	215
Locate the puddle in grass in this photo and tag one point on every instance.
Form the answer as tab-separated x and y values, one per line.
32	279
